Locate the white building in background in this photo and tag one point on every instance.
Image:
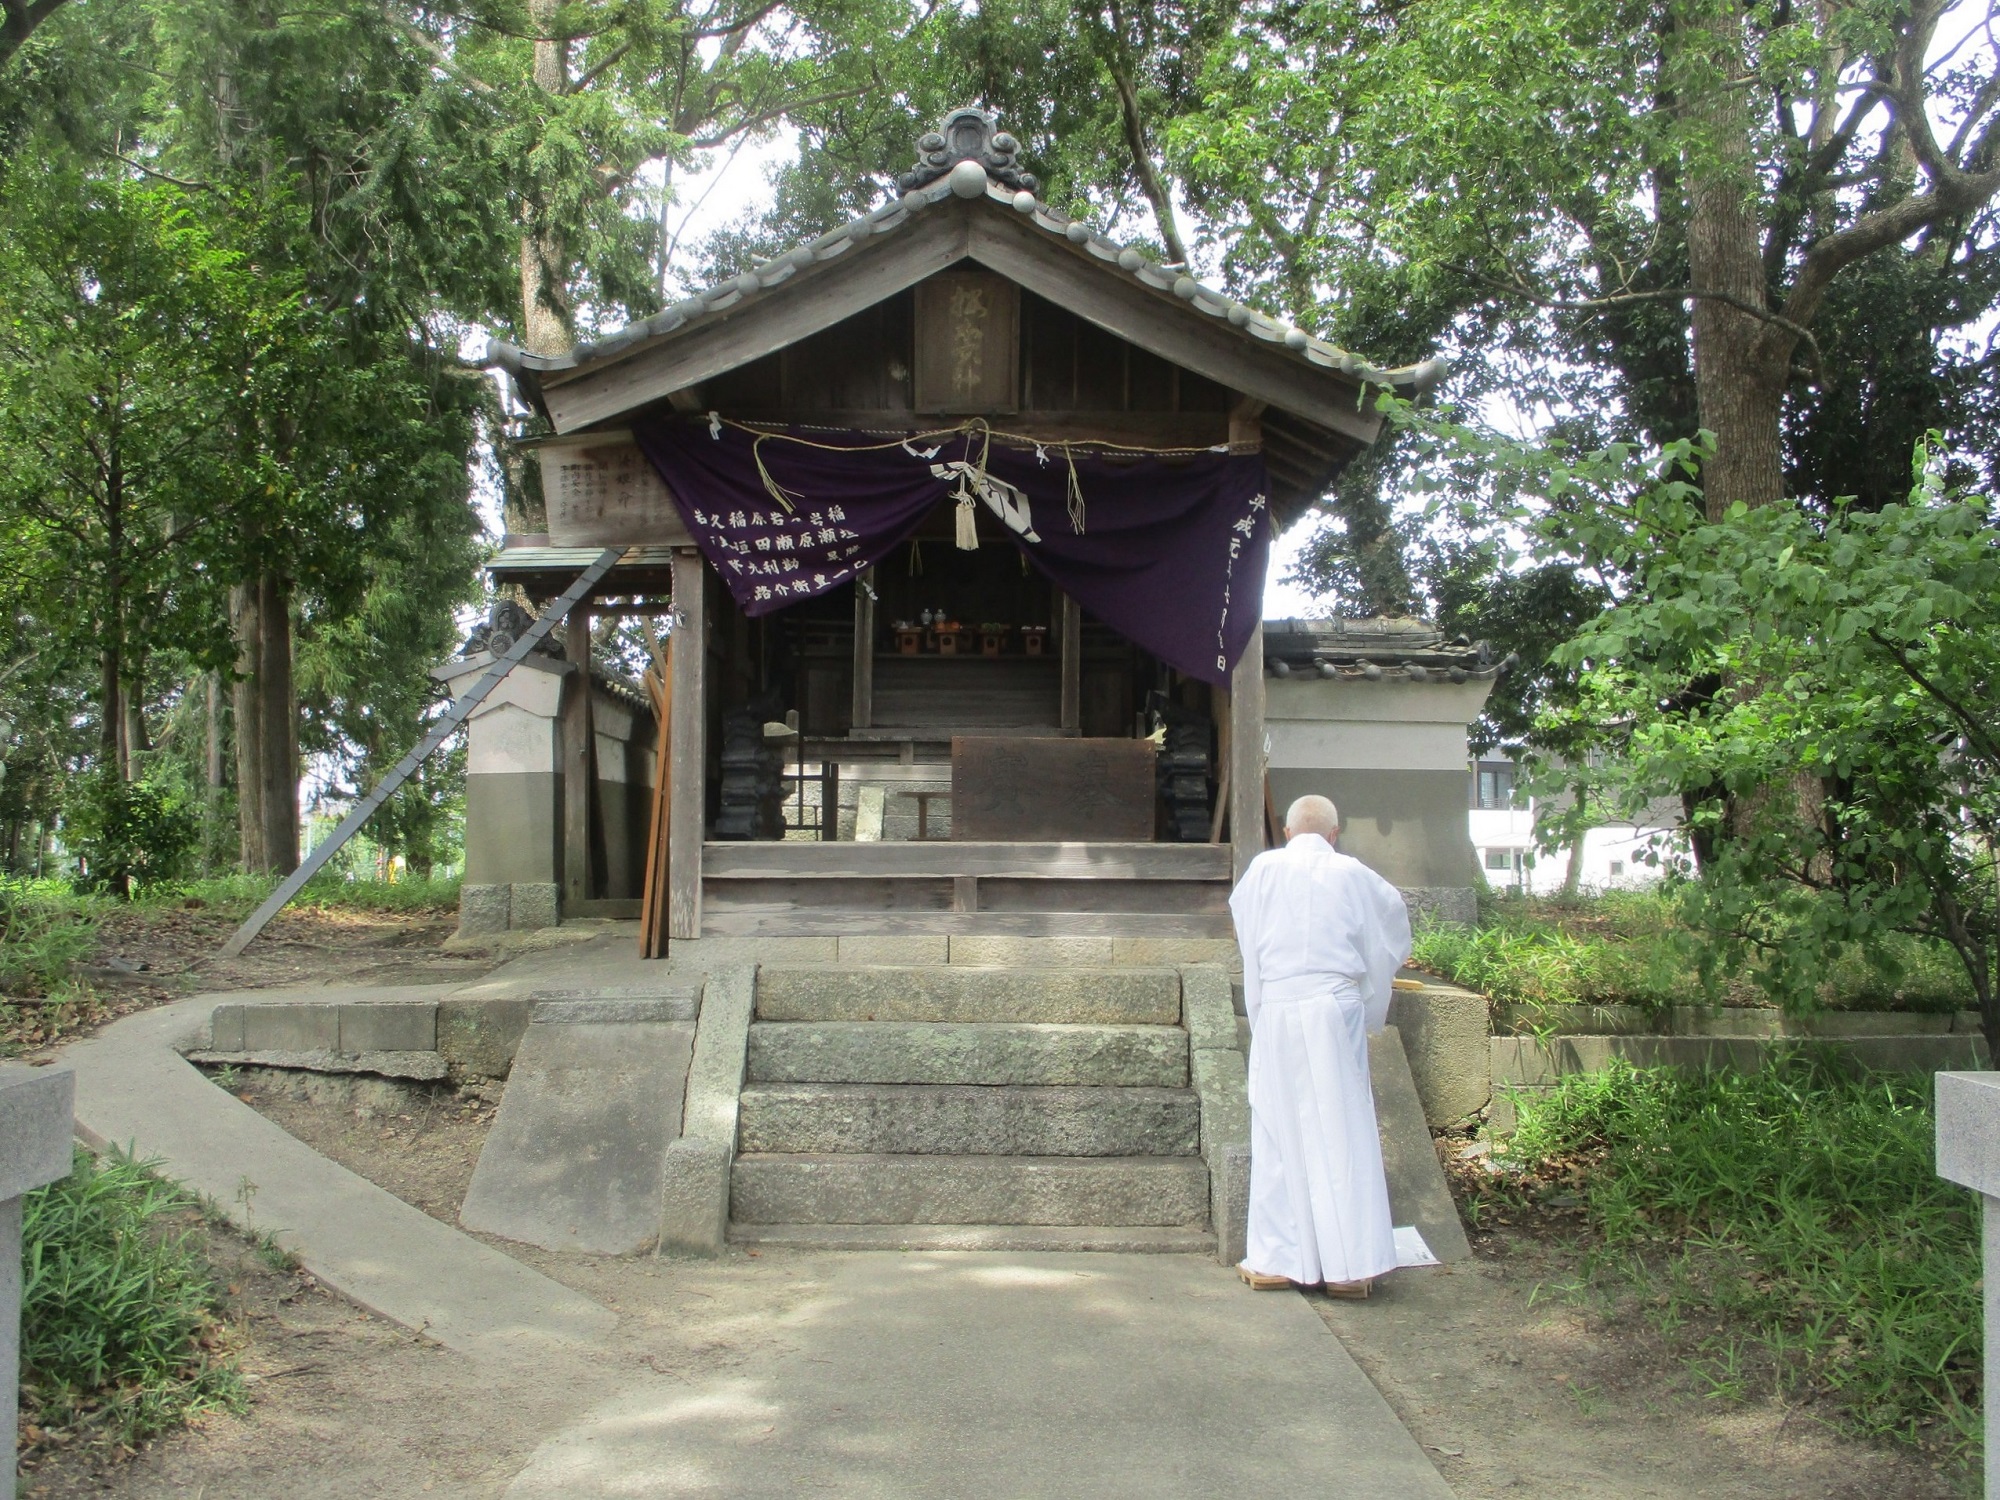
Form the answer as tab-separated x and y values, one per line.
1502	824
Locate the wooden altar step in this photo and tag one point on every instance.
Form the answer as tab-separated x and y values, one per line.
947	886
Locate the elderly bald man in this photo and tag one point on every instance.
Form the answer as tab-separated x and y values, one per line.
1322	937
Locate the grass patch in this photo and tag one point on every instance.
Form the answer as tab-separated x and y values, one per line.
239	895
1546	957
121	1337
46	930
1786	1228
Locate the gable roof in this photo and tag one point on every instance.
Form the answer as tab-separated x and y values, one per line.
966	202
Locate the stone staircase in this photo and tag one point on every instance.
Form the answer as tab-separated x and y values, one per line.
950	1106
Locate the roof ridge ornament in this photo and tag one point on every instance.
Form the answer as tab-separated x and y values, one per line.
968	134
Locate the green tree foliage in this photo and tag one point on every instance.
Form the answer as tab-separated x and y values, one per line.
1845	663
1519	183
1814	689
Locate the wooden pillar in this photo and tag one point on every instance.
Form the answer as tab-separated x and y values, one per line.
1072	665
1246	755
576	748
688	751
864	651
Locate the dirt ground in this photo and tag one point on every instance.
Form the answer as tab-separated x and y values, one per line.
418	1140
147	956
1513	1386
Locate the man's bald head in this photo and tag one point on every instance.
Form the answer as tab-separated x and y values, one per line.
1312	814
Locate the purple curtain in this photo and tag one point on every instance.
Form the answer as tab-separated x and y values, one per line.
1167	549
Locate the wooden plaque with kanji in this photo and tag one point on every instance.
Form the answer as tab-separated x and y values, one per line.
968	344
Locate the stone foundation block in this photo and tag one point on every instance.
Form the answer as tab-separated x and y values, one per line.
963	994
479	1038
968	1120
1151	951
938	1052
929	949
225	1029
291	1028
388	1026
694	1199
968	1190
1031	952
533	904
1447	1036
482	910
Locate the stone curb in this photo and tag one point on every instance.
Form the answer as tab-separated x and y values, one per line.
134	1090
1221	1081
694	1188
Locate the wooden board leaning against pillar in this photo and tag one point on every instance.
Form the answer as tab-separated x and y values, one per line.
578	748
653	905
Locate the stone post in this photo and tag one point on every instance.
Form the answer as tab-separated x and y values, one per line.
37	1115
1968	1152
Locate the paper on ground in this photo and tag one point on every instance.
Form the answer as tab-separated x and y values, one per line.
1411	1249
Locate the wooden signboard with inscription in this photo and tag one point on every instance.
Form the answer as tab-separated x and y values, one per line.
968	344
1051	790
603	492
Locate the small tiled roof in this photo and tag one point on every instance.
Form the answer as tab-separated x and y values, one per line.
979	173
1386	646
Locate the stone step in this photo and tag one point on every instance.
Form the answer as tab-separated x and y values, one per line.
1004	1190
967	1120
957	993
977	1052
1129	1239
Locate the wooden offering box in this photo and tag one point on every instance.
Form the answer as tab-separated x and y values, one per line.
910	640
1034	639
1049	789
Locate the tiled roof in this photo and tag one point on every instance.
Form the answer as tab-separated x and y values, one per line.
1382	647
971	178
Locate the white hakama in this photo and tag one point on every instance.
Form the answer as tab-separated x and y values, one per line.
1322	937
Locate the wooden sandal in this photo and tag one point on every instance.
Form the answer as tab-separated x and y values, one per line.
1352	1291
1257	1281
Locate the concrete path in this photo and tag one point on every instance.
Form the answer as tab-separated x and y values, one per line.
135	1091
1008	1375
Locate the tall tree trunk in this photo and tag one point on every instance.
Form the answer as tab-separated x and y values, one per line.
136	742
544	328
245	624
1573	875
211	821
1739	393
278	701
111	708
267	736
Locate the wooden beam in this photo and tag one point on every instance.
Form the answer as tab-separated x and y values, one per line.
946	859
1246	755
1146	429
863	714
1159	322
806	302
576	748
1071	632
1246	430
688	790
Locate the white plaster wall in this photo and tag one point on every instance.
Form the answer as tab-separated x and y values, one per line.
1357	746
508	738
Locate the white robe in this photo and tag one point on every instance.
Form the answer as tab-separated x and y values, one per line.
1322	938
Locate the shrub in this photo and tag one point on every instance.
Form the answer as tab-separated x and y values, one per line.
118	1309
1632	948
129	833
